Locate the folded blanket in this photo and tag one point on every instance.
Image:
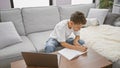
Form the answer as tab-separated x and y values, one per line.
104	39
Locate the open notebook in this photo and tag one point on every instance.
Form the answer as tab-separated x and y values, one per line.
69	53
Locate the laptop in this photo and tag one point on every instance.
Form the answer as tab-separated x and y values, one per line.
41	60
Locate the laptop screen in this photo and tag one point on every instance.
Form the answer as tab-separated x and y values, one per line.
41	60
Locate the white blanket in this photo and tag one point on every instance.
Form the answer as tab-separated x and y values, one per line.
104	39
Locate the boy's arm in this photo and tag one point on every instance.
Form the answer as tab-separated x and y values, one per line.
75	42
77	38
67	45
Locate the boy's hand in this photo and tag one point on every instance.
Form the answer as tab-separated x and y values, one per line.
76	43
81	48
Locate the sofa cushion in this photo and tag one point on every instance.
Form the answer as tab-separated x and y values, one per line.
8	35
100	14
117	22
15	50
91	22
67	10
39	39
13	15
40	18
110	18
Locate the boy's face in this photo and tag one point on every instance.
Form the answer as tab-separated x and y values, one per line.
76	27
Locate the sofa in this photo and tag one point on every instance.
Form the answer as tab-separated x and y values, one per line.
34	24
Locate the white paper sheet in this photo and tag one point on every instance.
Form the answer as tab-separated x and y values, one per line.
69	53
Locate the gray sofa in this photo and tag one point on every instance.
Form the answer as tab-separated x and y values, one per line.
34	25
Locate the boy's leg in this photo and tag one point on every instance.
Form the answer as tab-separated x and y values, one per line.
70	41
82	42
51	45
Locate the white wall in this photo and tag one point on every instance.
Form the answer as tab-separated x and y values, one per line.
81	2
71	2
30	3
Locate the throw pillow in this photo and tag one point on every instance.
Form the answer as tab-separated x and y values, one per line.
100	14
117	22
8	35
91	22
110	18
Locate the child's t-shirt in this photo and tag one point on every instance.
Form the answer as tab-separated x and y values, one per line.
62	32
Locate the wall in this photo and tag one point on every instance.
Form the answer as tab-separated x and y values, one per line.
5	4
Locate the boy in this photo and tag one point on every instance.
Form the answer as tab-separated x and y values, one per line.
61	32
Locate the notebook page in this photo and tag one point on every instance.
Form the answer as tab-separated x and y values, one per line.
69	53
